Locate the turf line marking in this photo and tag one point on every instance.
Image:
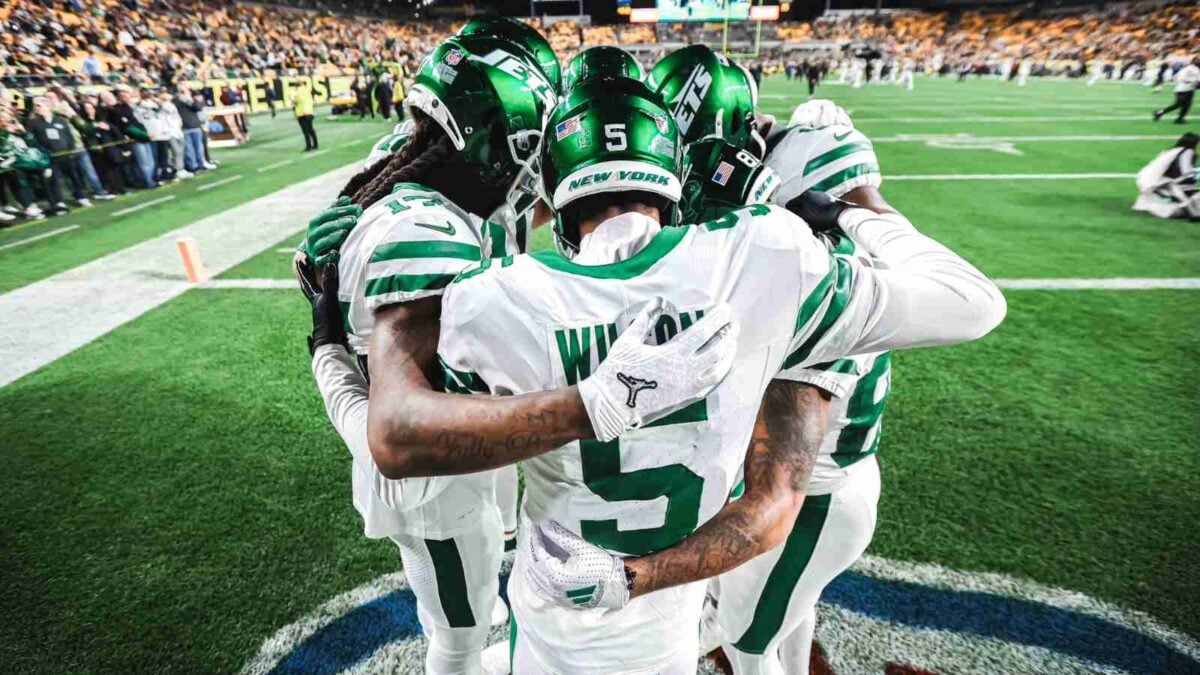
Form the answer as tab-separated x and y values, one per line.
274	165
44	235
319	152
1013	176
143	205
285	250
223	181
922	138
119	287
251	284
1052	118
1097	284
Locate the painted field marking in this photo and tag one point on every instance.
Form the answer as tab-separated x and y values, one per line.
148	274
1118	284
1013	176
923	138
285	250
1053	118
319	152
143	205
274	165
1114	284
44	235
215	183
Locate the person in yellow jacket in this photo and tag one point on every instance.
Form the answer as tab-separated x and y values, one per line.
302	104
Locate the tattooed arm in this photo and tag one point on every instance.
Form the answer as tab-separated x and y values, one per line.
780	460
414	430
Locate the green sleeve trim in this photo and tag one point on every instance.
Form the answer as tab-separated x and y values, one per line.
845	175
461	381
401	250
841	366
407	283
834	155
836	288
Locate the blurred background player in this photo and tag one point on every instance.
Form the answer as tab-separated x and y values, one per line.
1167	185
1186	81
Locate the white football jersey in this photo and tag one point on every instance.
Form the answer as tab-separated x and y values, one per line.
408	246
532	323
834	159
860	386
390	143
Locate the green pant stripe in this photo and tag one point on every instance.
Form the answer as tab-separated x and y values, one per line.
512	638
451	582
777	592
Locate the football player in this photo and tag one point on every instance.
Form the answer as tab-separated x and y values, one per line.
477	107
612	167
818	151
601	61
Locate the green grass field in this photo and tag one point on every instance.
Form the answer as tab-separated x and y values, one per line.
172	493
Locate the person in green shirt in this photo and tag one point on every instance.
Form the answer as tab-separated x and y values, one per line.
302	104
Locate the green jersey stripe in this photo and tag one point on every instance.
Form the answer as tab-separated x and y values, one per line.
781	582
662	244
843	366
835	154
864	414
399	250
451	582
463	380
581	592
840	297
816	299
407	283
845	175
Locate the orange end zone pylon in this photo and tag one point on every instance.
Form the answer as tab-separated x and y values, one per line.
191	260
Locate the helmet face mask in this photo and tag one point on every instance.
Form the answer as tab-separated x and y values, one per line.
609	135
491	101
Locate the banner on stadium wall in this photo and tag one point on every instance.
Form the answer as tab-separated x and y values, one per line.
253	91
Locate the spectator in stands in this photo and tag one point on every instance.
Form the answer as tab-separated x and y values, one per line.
123	115
173	128
93	68
107	146
150	117
52	133
16	170
193	129
302	105
62	104
1186	81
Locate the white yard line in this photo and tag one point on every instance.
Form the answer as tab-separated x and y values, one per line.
216	183
1096	284
1053	118
120	287
1116	284
44	235
1013	176
274	165
251	284
924	138
143	205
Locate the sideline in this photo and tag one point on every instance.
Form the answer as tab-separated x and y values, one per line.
68	310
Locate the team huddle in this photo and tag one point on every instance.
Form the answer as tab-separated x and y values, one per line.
692	383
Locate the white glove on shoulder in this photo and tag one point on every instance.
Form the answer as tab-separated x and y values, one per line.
639	382
818	114
570	572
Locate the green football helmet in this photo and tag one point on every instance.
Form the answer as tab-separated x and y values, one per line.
709	96
601	62
721	178
609	135
492	101
521	33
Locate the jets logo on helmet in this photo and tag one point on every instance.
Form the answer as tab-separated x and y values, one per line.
708	95
523	36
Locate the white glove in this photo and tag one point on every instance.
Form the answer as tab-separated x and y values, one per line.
638	382
570	572
818	114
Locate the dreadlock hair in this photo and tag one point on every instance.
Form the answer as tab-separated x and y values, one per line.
428	158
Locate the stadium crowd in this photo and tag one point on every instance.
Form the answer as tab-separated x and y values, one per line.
96	146
163	41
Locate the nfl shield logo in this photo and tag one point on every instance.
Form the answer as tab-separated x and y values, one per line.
724	171
453	57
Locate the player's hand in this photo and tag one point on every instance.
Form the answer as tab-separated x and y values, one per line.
568	571
820	211
327	325
639	382
818	114
326	232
